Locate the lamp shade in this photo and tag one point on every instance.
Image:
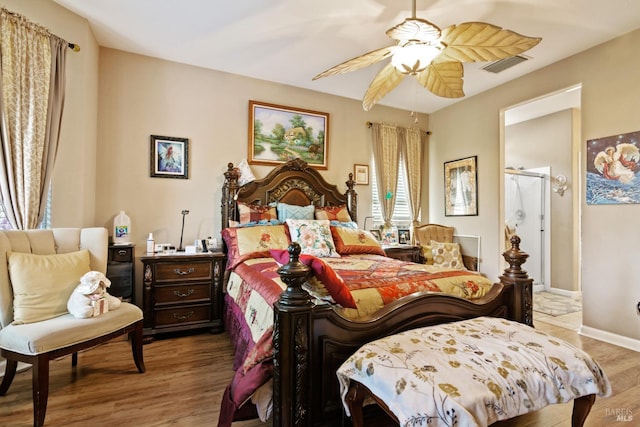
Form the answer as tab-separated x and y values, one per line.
413	58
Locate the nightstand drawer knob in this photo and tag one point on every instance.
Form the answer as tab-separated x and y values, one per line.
122	252
184	273
183	294
183	316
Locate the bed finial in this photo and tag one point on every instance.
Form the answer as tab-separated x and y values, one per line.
522	283
294	274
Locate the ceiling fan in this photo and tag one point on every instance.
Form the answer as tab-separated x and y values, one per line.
433	56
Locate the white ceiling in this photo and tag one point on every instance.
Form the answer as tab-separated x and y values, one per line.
290	41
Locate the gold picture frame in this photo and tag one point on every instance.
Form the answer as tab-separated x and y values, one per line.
278	134
361	174
461	187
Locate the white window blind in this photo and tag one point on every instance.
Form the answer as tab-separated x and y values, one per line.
401	212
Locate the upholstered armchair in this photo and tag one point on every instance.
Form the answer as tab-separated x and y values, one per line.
38	271
425	233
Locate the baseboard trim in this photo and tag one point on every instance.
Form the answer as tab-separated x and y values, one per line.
608	337
564	292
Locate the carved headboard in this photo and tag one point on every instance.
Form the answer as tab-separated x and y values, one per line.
293	182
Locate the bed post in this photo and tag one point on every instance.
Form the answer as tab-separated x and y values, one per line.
522	295
352	198
229	191
291	342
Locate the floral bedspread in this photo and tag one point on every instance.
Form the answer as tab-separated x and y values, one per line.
472	373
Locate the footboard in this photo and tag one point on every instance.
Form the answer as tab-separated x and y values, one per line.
311	342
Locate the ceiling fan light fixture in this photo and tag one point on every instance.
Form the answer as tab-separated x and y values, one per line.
413	58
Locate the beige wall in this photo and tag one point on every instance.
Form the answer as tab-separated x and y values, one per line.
609	234
140	96
548	141
74	178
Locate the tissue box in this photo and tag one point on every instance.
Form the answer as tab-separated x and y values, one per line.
100	306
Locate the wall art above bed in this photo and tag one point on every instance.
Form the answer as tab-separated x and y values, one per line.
278	134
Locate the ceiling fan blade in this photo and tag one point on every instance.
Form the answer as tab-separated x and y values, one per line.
382	84
482	42
358	62
443	79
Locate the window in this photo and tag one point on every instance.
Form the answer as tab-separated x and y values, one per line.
402	211
46	219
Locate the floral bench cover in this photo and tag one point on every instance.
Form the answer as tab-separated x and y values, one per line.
472	372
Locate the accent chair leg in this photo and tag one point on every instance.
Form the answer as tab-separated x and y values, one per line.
40	384
9	374
136	347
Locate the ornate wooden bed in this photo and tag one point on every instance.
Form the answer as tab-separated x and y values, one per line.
311	341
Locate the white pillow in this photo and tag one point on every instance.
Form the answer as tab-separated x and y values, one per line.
246	176
314	237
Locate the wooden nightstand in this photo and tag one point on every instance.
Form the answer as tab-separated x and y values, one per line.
409	253
182	292
120	271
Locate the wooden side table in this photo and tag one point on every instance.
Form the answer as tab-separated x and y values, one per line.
120	271
409	253
182	292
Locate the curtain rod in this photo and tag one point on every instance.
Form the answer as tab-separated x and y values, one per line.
16	16
369	124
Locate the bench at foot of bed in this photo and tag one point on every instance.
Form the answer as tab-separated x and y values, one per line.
473	372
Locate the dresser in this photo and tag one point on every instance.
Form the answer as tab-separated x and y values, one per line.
409	253
120	271
182	292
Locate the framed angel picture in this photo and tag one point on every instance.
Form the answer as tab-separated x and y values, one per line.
613	163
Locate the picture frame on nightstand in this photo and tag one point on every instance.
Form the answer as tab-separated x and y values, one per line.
404	236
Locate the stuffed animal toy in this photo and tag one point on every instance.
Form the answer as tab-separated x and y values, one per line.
90	298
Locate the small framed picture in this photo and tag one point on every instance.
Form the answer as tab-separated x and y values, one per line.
404	237
376	233
361	174
169	157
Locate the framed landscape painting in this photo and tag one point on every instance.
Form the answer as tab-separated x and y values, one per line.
278	133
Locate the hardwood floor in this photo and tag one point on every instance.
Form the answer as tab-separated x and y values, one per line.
186	376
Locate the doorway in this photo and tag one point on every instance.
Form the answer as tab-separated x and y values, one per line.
526	206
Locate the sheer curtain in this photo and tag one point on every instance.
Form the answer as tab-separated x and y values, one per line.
386	152
32	87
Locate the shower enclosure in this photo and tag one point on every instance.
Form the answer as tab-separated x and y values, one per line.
527	215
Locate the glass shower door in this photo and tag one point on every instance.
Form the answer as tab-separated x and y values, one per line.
524	216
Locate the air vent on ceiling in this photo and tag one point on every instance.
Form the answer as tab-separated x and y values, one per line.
502	64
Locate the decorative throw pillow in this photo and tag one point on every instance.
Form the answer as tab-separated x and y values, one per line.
246	176
447	255
313	236
42	284
350	241
323	272
427	254
333	213
253	242
250	213
286	212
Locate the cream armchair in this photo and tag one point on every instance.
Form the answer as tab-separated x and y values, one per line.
34	324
